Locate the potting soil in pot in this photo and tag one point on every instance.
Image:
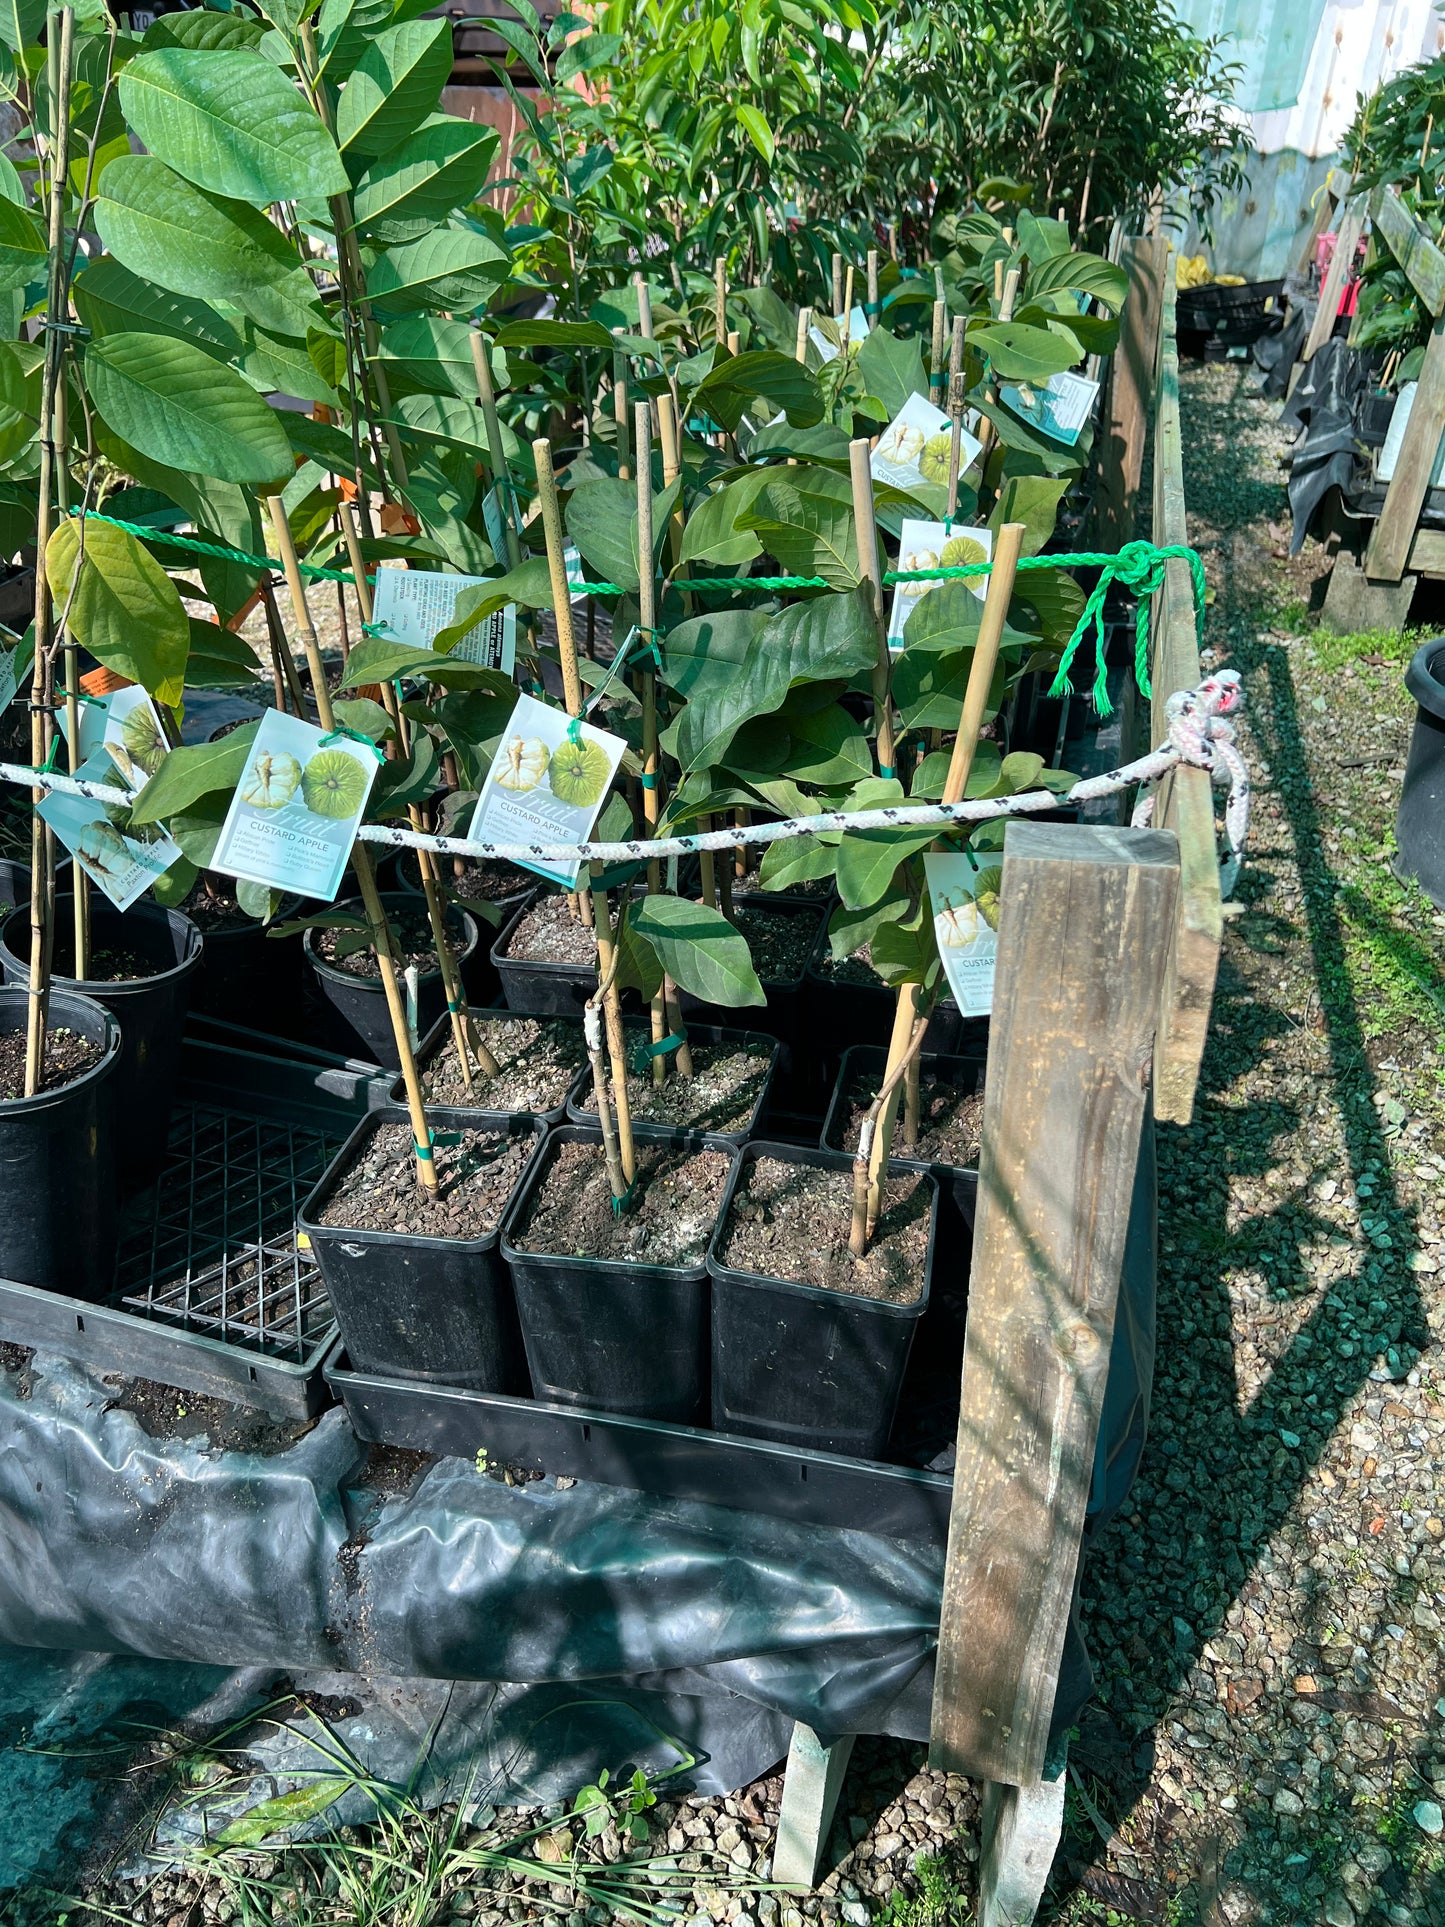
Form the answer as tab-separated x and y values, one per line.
68	1055
669	1221
489	882
780	941
537	1060
108	963
792	1221
216	909
549	933
721	1094
475	1179
413	942
950	1120
856	968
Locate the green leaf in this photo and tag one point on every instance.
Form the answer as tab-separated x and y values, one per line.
828	747
280	364
807	523
110	300
1085	273
125	609
774	378
825	443
285	1810
710	534
219	659
394	87
867	860
20	23
1021	353
554	334
638	969
755	125
1040	237
699	949
171	233
376	660
707	650
529	585
891	369
451	268
442	166
425	352
203	30
22	247
600	518
905	951
582	56
817	641
849	930
232	123
180	406
801	859
1033	500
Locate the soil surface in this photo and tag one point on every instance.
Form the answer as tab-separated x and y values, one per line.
537	1059
549	933
491	882
476	1179
110	963
68	1055
950	1120
413	935
792	1221
854	969
721	1094
219	911
167	1412
780	941
669	1221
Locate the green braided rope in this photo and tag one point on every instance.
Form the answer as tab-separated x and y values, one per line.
1138	567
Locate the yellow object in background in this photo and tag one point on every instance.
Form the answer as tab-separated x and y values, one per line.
1192	271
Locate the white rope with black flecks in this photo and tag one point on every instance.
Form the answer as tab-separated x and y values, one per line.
1198	735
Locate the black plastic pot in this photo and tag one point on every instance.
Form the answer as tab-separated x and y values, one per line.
800	1364
796	1086
247	976
626	1338
556	989
434	1309
57	1161
579	1113
479	973
14	884
437	1039
151	1012
1420	820
957	1184
408	883
360	1015
839	1014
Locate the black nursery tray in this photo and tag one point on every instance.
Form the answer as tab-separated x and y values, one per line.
211	1293
669	1461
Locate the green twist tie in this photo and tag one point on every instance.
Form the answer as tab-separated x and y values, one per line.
380	630
668	1044
619	1205
574	729
885	770
335	734
82	697
648	780
423	1151
446	1139
872	307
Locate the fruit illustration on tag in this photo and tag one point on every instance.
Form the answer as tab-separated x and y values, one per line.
270	781
903	444
521	763
102	846
937	456
987	895
333	784
959	550
956	924
578	774
141	737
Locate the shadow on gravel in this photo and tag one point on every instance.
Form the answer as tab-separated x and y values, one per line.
1216	1485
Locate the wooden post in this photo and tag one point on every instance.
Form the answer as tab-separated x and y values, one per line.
1084	927
1186	800
1394	535
938	359
1347	239
1131	379
812	1782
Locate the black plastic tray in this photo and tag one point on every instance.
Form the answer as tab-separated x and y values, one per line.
670	1461
252	1133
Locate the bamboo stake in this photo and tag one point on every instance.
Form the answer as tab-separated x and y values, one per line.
42	724
620	415
572	695
592	1032
496	447
837	284
283	668
1007	548
867	534
1006	303
720	296
873	303
381	938
847	308
938	361
805	322
907	1067
956	412
671	465
463	1034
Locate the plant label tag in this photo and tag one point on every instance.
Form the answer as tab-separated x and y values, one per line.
9	682
120	861
543	788
917	447
491	641
854	324
132	733
296	810
1058	408
412	605
576	574
934	545
963	893
494	520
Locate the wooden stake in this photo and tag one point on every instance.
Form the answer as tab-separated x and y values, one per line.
873	303
612	1017
867	534
464	1036
837	284
651	761
938	362
620	415
1007	548
720	297
381	938
561	600
805	322
847	309
496	447
956	402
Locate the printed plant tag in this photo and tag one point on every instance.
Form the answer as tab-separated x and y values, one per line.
132	734
297	808
9	682
933	545
856	323
121	860
543	788
917	446
1058	408
413	605
963	892
576	574
491	641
